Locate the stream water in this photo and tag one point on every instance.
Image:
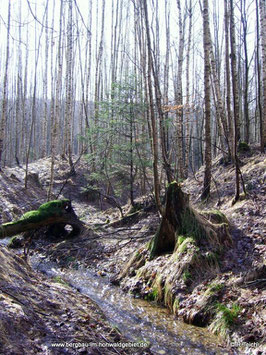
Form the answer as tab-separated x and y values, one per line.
136	319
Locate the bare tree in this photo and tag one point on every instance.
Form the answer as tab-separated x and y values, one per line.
152	113
207	101
228	79
262	7
244	22
5	90
179	93
55	117
235	100
69	87
187	109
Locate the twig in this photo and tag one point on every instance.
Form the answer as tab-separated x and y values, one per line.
121	230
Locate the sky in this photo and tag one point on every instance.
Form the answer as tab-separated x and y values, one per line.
22	18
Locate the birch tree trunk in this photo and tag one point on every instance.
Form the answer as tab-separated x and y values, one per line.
99	57
178	94
33	108
45	86
235	85
19	122
187	108
69	87
55	117
228	80
235	100
207	102
246	73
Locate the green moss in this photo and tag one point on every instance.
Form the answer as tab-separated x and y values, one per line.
214	288
225	319
153	243
184	246
229	314
168	294
186	276
176	305
180	239
15	242
215	216
190	226
153	295
59	280
44	211
137	255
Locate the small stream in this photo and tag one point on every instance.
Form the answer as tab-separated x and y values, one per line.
136	319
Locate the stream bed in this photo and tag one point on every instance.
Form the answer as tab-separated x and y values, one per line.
136	319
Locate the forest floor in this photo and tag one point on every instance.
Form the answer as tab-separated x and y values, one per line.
110	243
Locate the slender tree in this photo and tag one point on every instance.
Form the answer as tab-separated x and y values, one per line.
5	89
179	94
207	102
228	79
152	113
187	110
235	100
262	7
69	87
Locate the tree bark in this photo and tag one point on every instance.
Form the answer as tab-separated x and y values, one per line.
235	100
179	95
5	91
58	212
262	6
153	120
180	219
207	101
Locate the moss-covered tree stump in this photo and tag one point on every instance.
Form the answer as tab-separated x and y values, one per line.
181	219
54	214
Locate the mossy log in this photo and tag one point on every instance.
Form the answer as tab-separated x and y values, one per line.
179	218
55	214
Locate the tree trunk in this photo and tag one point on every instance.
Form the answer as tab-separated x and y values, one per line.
262	6
69	88
176	204
181	219
58	212
246	73
179	95
5	91
228	83
187	108
55	117
207	98
235	100
153	120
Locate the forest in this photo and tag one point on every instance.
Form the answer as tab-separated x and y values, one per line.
132	154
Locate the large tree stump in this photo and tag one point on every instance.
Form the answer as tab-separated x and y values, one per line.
55	214
179	218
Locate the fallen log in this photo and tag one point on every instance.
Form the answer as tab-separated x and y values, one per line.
54	214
